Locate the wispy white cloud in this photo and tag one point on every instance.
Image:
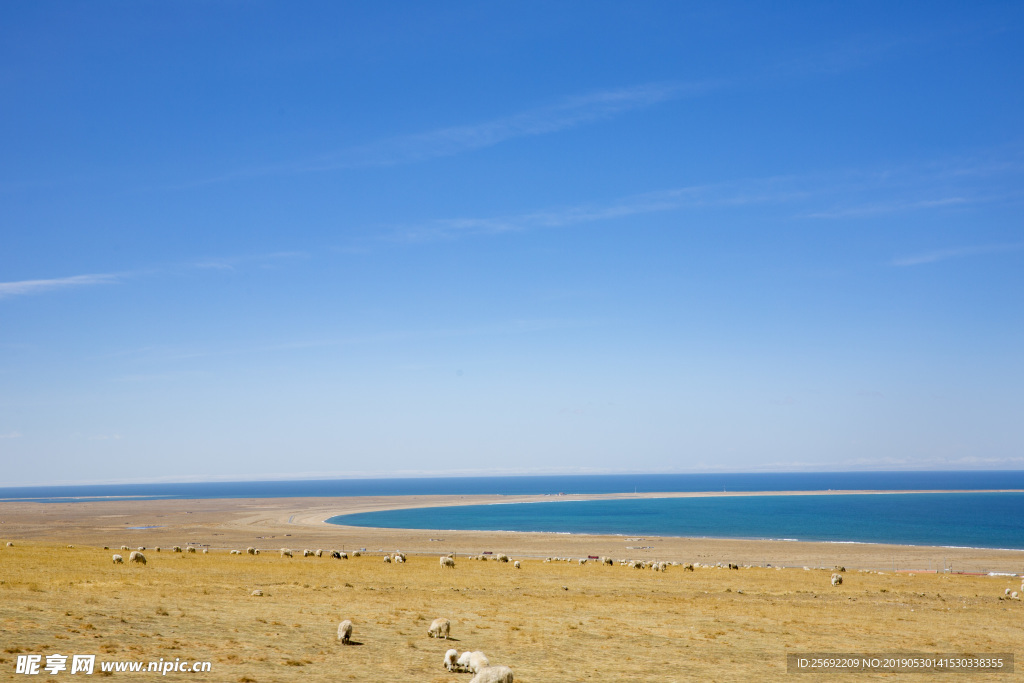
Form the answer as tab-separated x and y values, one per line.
11	435
758	191
451	140
26	287
269	260
567	114
892	207
104	437
956	252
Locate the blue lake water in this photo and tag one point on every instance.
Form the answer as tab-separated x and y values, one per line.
980	520
523	485
990	519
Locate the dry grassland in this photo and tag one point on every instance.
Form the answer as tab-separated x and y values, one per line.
548	621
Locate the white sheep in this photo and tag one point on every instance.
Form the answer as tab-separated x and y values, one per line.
345	632
137	557
473	661
387	559
10	544
191	549
516	564
124	547
439	627
837	579
355	553
493	674
176	549
449	660
399	559
502	557
583	561
307	553
206	551
257	593
250	551
236	552
448	561
118	559
1014	595
285	552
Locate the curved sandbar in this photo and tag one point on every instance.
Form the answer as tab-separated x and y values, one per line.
299	523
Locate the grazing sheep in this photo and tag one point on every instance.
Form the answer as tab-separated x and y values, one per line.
1014	595
257	552
206	551
387	559
176	549
141	548
124	547
307	553
837	579
137	557
118	559
285	552
106	547
502	557
1006	592
439	627
236	552
250	551
345	632
356	553
688	567
399	559
448	561
191	550
473	661
493	674
449	660
608	561
319	552
10	544
516	564
583	561
157	549
257	593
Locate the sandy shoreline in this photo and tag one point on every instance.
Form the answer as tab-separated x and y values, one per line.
300	522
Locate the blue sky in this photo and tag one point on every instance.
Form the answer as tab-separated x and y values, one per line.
250	240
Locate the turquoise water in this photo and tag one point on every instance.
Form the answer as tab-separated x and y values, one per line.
980	520
524	485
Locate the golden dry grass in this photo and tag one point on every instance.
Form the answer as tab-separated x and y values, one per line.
548	621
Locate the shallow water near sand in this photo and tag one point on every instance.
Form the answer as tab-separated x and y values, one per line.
977	520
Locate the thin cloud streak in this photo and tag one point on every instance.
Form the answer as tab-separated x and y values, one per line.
956	252
452	140
767	190
567	114
27	287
